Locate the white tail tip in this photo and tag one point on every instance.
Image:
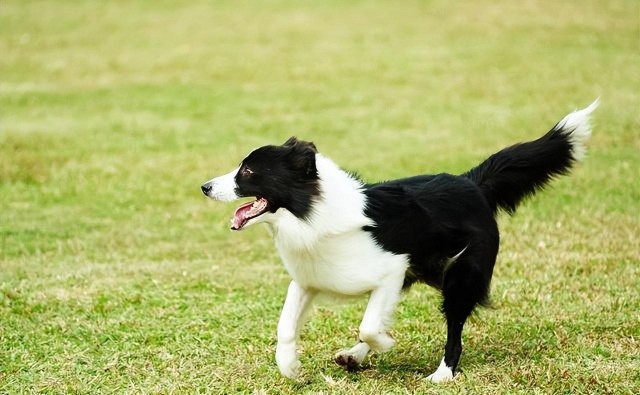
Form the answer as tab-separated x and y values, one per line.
577	127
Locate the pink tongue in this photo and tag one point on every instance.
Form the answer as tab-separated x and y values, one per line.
241	214
248	211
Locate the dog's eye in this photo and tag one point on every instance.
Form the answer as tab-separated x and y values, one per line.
245	171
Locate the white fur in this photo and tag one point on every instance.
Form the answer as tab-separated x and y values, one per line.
379	312
338	210
454	258
223	188
293	314
329	253
578	125
442	374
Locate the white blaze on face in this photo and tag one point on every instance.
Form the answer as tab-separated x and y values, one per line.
223	188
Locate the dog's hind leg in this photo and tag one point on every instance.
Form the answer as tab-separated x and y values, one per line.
373	328
465	285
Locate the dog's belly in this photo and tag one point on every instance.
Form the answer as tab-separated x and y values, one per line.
349	264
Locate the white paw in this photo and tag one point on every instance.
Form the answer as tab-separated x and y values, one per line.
287	360
442	374
439	377
291	370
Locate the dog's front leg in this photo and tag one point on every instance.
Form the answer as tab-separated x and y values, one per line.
291	319
373	328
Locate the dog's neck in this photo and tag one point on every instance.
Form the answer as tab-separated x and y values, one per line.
337	210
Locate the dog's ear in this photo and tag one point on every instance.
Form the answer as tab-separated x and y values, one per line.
293	141
302	155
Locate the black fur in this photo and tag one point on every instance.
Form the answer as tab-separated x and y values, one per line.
434	217
285	175
514	173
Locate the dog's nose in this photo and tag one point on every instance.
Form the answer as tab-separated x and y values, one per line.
206	188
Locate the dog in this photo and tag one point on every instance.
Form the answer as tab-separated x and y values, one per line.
339	235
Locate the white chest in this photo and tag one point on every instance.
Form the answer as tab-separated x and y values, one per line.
348	264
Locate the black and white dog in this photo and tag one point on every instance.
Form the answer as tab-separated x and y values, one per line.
341	236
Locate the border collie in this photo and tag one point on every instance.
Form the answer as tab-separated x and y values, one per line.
339	235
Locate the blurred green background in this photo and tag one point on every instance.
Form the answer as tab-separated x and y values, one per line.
117	275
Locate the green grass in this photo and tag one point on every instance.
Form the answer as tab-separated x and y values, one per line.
117	276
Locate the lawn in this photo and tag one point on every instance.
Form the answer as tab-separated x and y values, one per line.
118	276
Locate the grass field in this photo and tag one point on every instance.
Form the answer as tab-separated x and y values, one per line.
118	276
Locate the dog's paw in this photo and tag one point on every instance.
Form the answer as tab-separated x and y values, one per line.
347	360
441	375
287	360
291	370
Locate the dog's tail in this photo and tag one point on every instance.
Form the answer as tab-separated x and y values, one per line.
514	173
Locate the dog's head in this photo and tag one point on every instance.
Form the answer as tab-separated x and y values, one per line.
281	177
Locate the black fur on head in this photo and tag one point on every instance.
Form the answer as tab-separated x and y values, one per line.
285	175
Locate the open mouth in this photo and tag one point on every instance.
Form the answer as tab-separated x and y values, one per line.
249	211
